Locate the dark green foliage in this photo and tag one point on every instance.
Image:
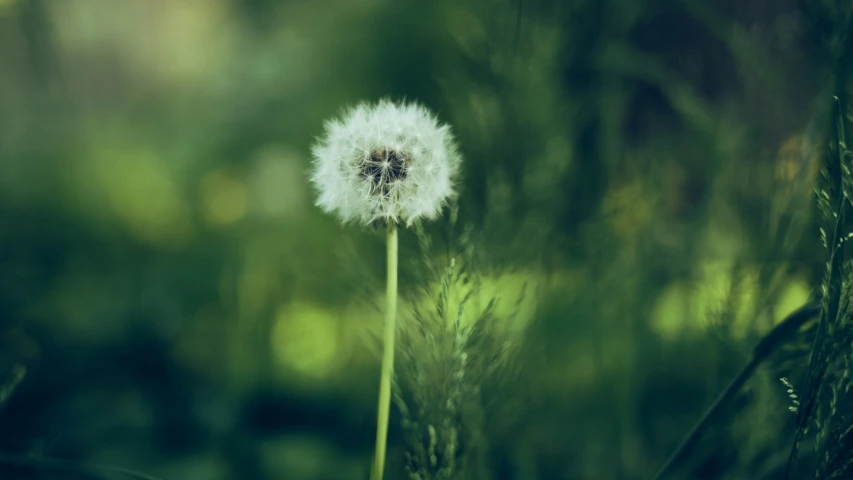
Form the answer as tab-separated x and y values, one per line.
181	308
825	399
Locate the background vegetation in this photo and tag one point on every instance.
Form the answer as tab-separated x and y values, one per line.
644	171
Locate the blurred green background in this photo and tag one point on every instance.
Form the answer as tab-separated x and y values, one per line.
172	301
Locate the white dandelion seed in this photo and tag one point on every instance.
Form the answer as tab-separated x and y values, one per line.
387	162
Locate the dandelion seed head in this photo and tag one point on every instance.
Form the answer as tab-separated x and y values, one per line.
388	162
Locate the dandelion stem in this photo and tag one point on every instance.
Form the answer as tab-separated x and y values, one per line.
387	356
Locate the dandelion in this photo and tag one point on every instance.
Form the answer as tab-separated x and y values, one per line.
388	163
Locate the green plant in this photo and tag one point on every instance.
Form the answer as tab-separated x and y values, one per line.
449	350
826	395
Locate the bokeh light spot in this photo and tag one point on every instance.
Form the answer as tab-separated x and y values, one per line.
142	192
278	183
793	296
223	197
6	6
305	339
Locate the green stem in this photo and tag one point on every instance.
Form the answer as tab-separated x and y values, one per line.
788	327
387	357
